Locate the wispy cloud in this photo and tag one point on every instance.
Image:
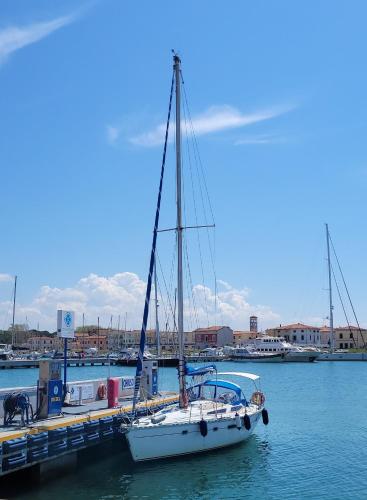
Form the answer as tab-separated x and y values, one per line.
112	134
5	278
260	139
214	119
15	38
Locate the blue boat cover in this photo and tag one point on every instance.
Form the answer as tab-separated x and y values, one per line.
202	370
225	385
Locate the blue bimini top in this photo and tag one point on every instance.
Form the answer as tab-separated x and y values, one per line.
224	384
202	370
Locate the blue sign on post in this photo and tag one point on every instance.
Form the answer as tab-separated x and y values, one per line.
54	397
66	330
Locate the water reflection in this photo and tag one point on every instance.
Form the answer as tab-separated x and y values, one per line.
230	471
198	476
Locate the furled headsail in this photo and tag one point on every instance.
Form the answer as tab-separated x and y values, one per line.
139	365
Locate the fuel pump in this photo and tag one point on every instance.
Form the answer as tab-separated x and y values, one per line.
149	379
49	393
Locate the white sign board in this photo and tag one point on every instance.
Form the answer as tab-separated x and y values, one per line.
82	392
127	386
65	324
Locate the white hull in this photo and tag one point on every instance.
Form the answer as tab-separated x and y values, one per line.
301	356
287	357
261	358
171	440
343	356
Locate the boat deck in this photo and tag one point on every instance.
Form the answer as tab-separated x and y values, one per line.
207	409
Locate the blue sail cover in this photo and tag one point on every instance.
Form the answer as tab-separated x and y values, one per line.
202	370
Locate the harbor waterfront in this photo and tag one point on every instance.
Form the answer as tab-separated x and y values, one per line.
315	445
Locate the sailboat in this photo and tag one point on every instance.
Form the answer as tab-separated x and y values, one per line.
212	412
333	354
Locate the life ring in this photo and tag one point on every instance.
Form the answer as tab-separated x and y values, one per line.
258	398
102	391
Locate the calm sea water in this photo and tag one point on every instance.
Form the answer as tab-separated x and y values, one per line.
314	447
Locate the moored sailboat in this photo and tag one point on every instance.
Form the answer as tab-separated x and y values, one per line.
333	354
217	414
212	412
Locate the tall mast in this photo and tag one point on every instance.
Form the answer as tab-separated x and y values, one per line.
331	316
98	333
157	332
180	325
118	333
13	322
83	334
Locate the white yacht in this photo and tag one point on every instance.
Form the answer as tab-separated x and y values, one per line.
249	353
274	350
6	351
212	412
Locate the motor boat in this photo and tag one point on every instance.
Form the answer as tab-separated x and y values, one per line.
249	353
6	351
274	349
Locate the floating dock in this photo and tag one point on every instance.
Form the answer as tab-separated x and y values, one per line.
173	362
43	443
34	363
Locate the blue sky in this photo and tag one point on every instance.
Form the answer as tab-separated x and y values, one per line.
278	93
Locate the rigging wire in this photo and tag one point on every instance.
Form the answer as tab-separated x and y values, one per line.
168	295
201	171
342	304
191	287
197	147
346	289
190	296
169	309
162	304
196	218
184	238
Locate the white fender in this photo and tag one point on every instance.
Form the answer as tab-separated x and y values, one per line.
238	421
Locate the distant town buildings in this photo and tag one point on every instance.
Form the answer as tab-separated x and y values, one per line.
242	337
106	339
345	337
45	343
213	336
297	333
168	340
